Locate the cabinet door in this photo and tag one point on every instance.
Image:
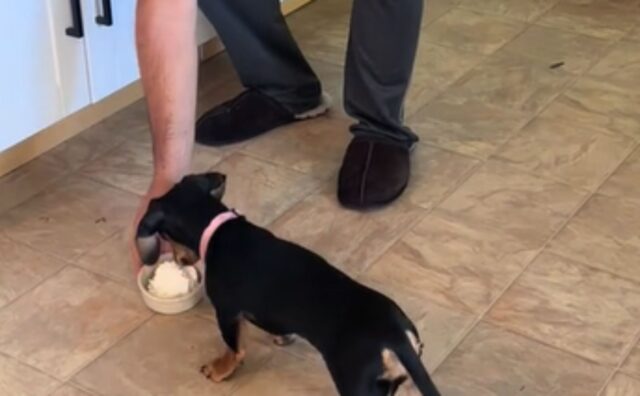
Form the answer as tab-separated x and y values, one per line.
29	95
71	64
110	45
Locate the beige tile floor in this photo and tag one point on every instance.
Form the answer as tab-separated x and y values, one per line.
515	249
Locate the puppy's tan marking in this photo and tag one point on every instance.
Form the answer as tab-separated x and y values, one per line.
394	370
223	367
182	254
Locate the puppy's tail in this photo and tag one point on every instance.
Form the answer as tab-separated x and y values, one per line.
411	362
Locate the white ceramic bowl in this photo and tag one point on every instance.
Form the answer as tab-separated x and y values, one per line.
174	305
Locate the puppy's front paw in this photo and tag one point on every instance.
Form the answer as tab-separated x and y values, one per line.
223	367
283	341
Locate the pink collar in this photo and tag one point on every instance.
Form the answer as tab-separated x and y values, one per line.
217	221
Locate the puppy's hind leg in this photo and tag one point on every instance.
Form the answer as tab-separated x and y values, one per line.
224	366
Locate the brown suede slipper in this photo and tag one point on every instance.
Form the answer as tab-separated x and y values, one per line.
249	115
373	173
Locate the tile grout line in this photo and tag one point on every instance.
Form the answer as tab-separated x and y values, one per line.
429	212
568	86
570	83
543	248
585	264
624	34
35	286
23	295
590	189
278	165
117	341
617	369
36	369
71	384
548	345
482	314
483	59
426	212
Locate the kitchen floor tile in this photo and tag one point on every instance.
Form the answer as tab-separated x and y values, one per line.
622	385
23	268
620	66
494	362
524	206
315	15
263	191
460	267
17	379
623	183
472	31
314	147
72	216
215	72
435	173
436	67
566	152
287	375
604	234
67	321
593	104
596	19
435	9
441	327
27	181
467	126
69	390
573	307
521	10
634	35
84	147
348	239
164	356
130	165
327	42
632	364
571	52
332	80
514	82
112	259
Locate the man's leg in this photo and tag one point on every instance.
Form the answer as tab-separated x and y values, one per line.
382	47
281	85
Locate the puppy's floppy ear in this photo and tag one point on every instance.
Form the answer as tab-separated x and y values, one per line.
219	186
147	240
213	182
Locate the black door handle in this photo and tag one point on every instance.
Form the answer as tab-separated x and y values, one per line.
75	30
106	18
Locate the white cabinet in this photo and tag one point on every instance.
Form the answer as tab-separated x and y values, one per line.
109	37
70	58
38	58
59	56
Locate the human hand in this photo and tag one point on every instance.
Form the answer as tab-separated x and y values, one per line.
157	189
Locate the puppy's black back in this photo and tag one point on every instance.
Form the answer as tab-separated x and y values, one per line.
284	285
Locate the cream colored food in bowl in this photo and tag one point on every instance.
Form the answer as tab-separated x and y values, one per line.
170	288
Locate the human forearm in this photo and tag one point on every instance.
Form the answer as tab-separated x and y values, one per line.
166	43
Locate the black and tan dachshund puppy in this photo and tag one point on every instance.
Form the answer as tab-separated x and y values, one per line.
368	344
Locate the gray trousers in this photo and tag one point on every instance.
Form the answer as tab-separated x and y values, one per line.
383	39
